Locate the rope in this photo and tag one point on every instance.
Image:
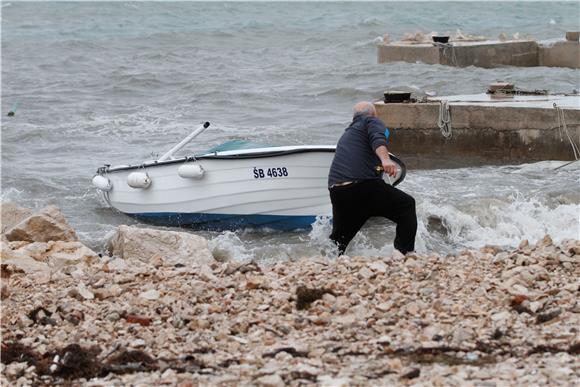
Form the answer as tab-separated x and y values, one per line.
444	119
446	47
563	128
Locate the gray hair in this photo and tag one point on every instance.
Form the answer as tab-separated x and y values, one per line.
365	108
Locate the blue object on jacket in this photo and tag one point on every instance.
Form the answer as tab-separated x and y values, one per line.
355	157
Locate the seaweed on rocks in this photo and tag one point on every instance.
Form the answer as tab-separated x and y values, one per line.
16	352
41	316
306	296
72	362
129	362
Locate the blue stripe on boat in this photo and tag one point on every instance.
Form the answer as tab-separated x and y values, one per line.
221	222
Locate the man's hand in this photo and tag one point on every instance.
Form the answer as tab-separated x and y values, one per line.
390	167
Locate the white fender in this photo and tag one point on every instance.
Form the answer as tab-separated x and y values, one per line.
191	171
138	180
102	183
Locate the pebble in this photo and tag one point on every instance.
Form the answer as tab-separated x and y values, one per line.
215	323
84	292
150	294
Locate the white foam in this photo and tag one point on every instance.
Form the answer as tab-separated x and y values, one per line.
503	223
10	194
229	246
318	238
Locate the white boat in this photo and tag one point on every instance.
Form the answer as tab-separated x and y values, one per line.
282	188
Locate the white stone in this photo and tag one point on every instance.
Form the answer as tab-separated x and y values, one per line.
48	224
330	381
347	320
84	292
150	295
384	306
138	343
147	244
62	253
21	261
305	369
384	339
378	266
501	316
36	250
365	273
117	264
270	381
206	274
397	255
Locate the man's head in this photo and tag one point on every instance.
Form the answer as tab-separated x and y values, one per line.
365	108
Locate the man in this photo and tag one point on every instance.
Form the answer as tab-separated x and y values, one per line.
358	192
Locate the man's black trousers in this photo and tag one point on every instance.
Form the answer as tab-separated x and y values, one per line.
354	204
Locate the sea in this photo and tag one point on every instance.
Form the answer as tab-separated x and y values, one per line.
95	83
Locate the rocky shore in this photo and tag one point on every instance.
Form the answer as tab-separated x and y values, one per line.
159	309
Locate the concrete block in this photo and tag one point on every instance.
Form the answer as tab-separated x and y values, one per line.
560	54
408	53
493	54
486	54
481	134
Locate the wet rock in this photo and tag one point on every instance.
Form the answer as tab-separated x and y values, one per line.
491	250
48	224
146	244
437	224
546	241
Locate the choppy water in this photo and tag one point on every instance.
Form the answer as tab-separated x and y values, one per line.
100	83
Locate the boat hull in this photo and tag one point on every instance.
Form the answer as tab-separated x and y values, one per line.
282	188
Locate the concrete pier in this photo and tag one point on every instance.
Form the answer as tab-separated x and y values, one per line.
487	54
485	130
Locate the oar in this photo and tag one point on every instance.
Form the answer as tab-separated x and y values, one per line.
563	165
184	142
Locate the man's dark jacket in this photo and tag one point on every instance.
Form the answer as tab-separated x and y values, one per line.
355	157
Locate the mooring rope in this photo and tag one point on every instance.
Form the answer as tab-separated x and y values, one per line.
447	47
444	119
563	128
